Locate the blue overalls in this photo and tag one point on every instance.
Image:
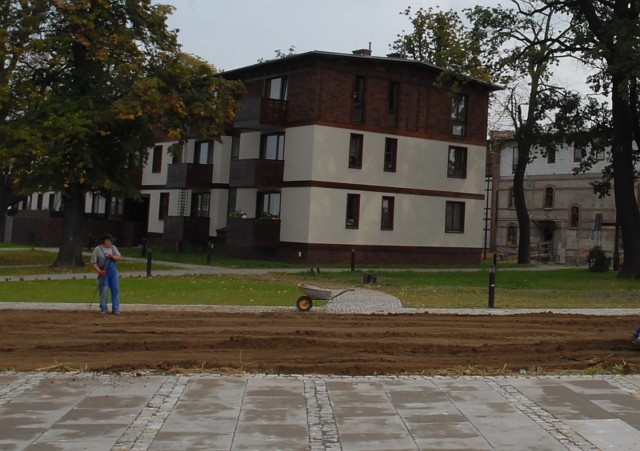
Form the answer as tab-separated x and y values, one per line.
109	282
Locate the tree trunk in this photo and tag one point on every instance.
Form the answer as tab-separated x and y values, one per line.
624	186
70	252
5	194
519	200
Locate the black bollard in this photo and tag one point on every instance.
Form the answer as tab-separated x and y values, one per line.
492	286
353	260
144	247
149	258
209	252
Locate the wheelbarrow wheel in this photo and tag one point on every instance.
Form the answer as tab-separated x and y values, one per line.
304	303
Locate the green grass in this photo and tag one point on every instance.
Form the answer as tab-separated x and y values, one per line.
205	290
535	288
35	261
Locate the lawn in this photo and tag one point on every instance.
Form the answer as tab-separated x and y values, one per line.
535	287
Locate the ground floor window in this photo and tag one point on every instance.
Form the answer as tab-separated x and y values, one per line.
574	217
163	210
512	236
269	205
387	213
200	205
454	219
353	211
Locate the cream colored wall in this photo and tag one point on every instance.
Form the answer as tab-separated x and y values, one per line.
154	224
218	210
249	145
317	215
321	153
222	160
246	201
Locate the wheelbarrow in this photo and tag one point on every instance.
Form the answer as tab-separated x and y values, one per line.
311	293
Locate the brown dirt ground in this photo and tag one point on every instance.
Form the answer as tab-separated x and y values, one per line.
304	343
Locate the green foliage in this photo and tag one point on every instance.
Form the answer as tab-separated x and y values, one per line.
440	38
89	87
598	260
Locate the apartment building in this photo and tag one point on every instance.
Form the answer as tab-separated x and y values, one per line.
567	218
332	155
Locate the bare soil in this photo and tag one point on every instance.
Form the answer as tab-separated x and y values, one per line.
304	343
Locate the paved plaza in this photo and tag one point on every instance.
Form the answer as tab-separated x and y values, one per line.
85	411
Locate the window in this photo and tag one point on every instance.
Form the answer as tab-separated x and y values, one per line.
512	236
156	163
459	115
579	154
386	217
600	155
597	222
276	88
268	205
200	205
177	156
272	147
355	151
390	154
353	211
39	202
392	121
548	197
358	100
118	207
163	210
551	156
231	203
514	159
454	220
457	162
203	152
574	217
52	201
512	198
95	204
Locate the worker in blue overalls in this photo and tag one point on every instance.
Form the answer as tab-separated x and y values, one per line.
103	260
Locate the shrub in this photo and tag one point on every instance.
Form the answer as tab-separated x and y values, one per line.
598	260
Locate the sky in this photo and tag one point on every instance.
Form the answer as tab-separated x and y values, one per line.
231	34
234	33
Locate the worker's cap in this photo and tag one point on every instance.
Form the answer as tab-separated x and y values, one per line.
108	236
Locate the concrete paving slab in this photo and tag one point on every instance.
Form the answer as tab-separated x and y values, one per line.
76	411
610	434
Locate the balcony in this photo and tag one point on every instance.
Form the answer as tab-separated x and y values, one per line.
256	172
253	232
178	228
189	175
256	113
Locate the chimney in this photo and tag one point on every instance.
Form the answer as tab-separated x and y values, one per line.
362	52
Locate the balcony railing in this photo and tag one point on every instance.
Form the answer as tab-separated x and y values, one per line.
178	228
189	175
256	172
253	232
262	112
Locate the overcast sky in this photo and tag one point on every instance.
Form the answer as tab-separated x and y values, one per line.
236	33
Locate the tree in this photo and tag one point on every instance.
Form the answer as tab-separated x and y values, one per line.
516	48
531	39
440	38
19	24
609	34
106	73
